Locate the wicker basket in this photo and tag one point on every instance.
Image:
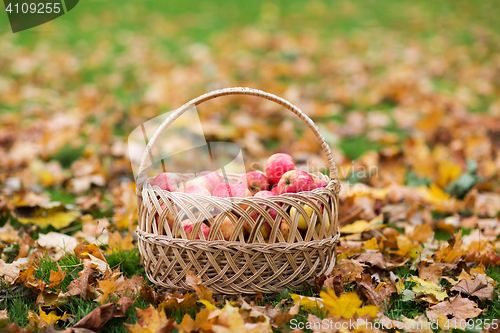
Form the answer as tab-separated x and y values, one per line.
242	264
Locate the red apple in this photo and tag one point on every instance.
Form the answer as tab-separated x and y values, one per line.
274	190
227	228
170	217
226	190
168	181
285	229
189	226
255	181
295	181
319	182
208	179
197	189
265	228
277	165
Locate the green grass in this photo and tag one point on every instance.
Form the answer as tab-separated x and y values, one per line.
492	307
69	262
68	154
129	262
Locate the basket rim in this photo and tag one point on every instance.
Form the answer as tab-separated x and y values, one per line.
333	185
146	236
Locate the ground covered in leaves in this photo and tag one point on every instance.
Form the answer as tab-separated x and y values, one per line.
407	96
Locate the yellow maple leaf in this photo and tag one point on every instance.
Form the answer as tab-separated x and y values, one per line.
309	304
117	243
433	194
347	305
149	321
56	277
106	287
451	253
427	287
52	317
448	172
230	320
53	214
362	226
371	244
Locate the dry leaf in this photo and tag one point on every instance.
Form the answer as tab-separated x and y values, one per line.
53	214
347	305
478	286
150	320
457	309
195	282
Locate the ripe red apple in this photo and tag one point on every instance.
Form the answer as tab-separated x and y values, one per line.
208	179
295	181
227	228
226	190
170	217
285	229
274	190
197	189
255	181
319	182
277	165
168	181
189	226
265	228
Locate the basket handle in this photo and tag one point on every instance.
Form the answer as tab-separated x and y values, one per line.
142	175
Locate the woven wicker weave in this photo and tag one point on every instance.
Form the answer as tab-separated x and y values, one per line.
242	264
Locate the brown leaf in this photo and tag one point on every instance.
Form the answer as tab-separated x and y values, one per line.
378	298
56	277
177	302
195	282
335	283
374	259
125	286
97	319
151	320
349	268
258	297
319	282
458	309
478	286
432	272
79	286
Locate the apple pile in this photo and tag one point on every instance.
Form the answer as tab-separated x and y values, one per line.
281	177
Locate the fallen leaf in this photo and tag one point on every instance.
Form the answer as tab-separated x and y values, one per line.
150	320
362	226
458	309
59	242
56	277
349	268
8	234
335	283
309	304
53	214
106	288
432	272
9	272
97	319
425	287
79	286
51	318
195	282
347	305
373	259
478	286
380	298
116	243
